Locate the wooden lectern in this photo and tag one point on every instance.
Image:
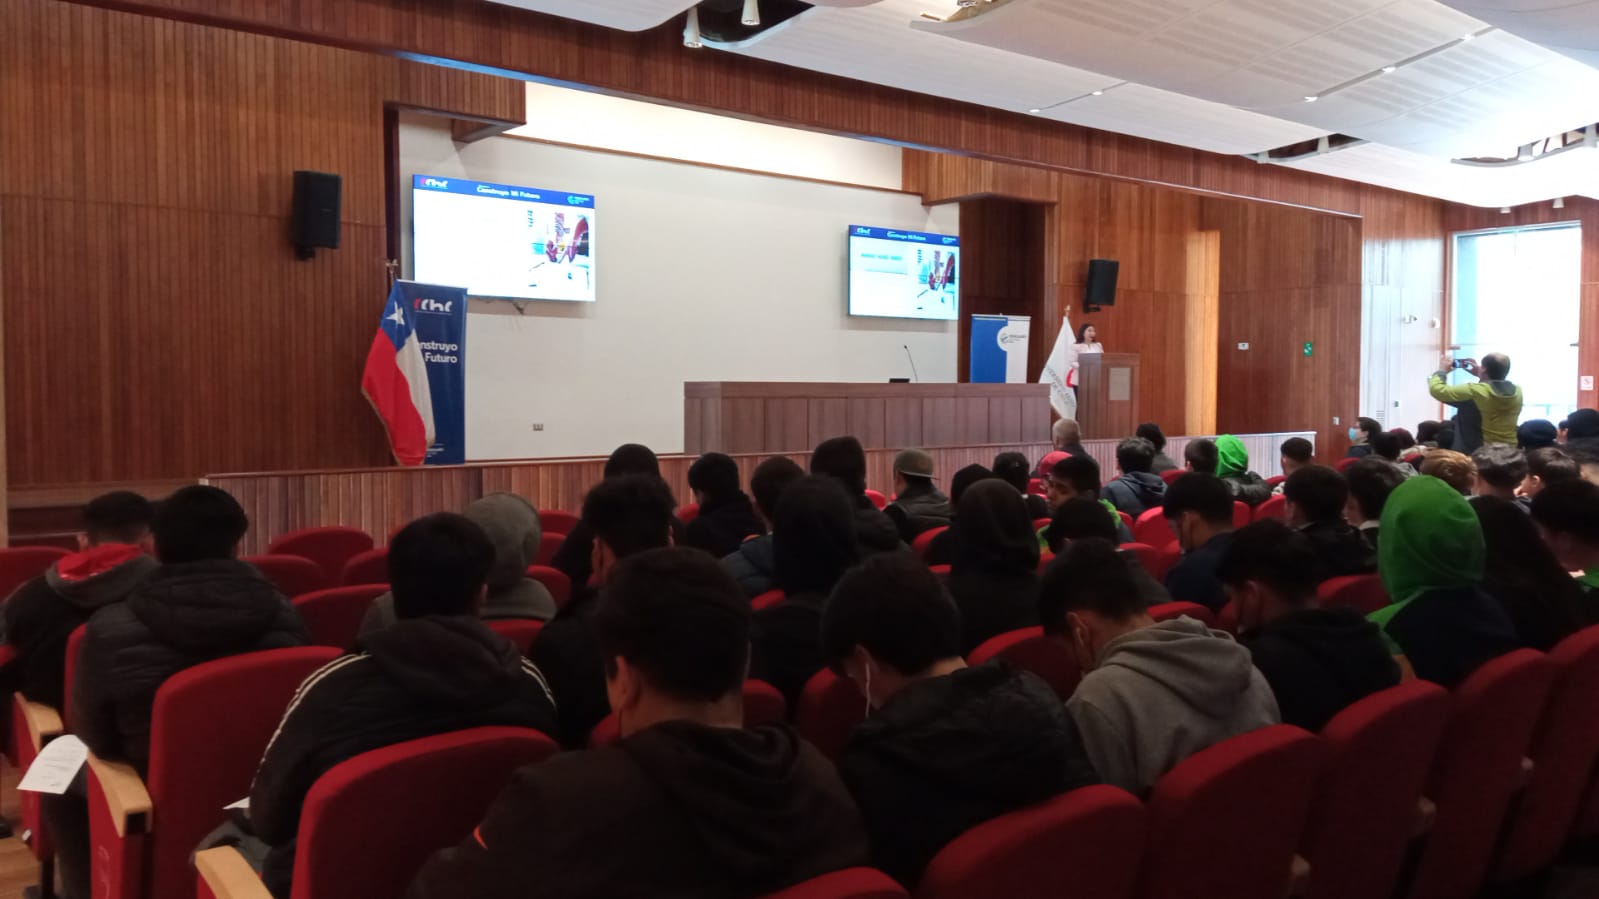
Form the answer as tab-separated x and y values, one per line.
1107	393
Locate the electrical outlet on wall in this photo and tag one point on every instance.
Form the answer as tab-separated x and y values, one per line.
538	425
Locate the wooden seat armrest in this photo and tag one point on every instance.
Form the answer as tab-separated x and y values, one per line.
1426	815
227	875
125	793
43	721
1298	877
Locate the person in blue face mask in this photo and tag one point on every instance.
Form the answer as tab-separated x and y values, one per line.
1360	437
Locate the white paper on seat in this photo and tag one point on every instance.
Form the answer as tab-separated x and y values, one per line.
243	804
56	765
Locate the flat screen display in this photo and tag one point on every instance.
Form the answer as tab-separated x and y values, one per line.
895	273
500	241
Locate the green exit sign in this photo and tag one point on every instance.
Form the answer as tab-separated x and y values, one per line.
1310	348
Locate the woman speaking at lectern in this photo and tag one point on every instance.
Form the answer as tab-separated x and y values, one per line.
1087	342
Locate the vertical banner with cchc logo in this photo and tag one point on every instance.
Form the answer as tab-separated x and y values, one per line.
440	317
999	349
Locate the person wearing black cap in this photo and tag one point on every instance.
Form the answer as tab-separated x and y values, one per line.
918	503
1536	434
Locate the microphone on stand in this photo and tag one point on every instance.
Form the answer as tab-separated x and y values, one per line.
913	362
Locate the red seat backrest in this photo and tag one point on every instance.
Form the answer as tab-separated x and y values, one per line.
521	631
1095	833
924	540
549	545
1172	475
1241	513
1275	479
209	728
1227	618
878	499
1225	821
554	521
70	673
1478	768
1035	486
366	828
1365	808
1040	523
20	564
554	580
763	704
766	600
333	617
828	709
1156	561
1344	463
850	883
370	567
1152	529
1564	750
29	809
292	575
1029	649
1275	509
1363	592
329	547
688	512
1168	611
1126	519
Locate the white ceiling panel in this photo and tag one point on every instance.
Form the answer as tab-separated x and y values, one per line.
1570	27
623	15
1572	173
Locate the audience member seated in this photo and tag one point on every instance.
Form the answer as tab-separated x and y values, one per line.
438	668
1455	469
200	604
1586	454
1152	694
1567	515
1582	424
1012	468
1386	446
1445	438
1316	497
1543	601
112	560
1407	440
843	459
1226	458
918	503
948	747
576	555
623	515
941	549
1360	437
994	575
1317	660
1371	482
1138	489
1500	471
1077	477
1297	452
1199	508
689	803
1079	519
1427	434
753	564
815	543
1536	434
1067	437
1432	563
1546	466
1151	432
512	526
726	515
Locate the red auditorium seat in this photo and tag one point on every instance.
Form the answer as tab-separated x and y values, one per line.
554	580
1126	519
370	567
1093	837
1225	822
329	547
828	709
1242	514
1364	592
688	512
32	725
1152	529
1343	464
1227	618
763	704
1028	649
1167	611
1564	750
1174	474
1478	769
20	564
549	545
944	570
1275	509
210	725
366	829
333	617
292	575
1044	558
1275	479
521	631
766	600
924	540
1035	486
850	883
1365	811
70	673
1156	562
878	499
554	521
1040	523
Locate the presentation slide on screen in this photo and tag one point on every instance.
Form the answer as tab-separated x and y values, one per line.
902	274
502	241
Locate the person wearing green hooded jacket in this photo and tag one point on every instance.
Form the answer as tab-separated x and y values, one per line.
1226	458
1432	559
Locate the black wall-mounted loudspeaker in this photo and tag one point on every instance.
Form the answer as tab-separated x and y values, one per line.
316	212
1101	289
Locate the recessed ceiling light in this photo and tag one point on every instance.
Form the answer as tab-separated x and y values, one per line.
1467	37
1389	70
1035	111
1311	99
1099	93
1504	210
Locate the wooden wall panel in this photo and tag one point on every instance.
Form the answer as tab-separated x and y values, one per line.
157	324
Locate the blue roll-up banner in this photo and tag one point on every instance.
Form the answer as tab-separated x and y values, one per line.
999	349
440	316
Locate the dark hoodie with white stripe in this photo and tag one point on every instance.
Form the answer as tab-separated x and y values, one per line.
417	678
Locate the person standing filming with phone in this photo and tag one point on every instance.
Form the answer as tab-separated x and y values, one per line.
1489	408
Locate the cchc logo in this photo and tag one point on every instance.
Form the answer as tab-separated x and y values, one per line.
950	240
575	200
440	183
424	304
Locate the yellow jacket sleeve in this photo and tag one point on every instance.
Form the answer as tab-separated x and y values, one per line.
1444	393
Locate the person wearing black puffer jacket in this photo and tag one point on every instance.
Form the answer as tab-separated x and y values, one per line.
435	670
726	516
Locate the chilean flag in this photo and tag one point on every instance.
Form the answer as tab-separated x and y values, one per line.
395	382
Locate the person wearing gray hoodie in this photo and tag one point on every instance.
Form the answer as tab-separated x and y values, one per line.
512	525
1153	694
1137	490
